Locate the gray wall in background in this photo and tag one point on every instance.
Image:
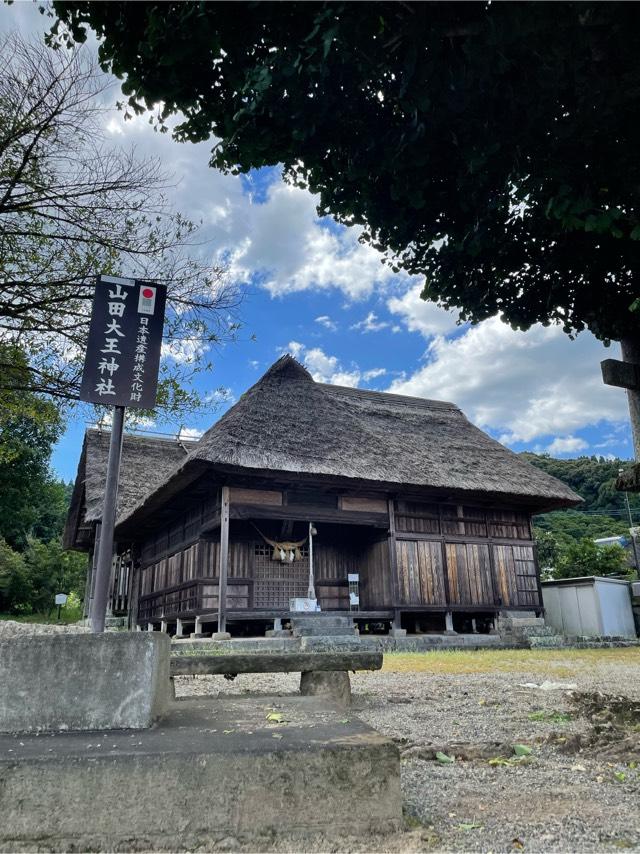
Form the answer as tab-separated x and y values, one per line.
589	606
615	607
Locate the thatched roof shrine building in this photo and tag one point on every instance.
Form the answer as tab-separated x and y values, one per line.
424	512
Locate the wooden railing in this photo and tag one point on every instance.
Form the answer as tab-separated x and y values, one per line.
197	595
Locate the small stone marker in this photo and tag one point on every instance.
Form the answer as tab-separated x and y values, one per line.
80	682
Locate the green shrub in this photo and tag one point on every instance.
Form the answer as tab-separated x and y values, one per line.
587	558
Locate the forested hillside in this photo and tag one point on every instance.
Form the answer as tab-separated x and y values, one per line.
593	478
603	513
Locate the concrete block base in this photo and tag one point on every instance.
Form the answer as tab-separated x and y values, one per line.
333	685
83	681
209	770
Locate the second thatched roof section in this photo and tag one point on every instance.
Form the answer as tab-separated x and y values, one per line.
146	463
287	423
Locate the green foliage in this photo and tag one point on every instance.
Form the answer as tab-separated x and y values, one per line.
586	558
33	505
30	580
30	501
71	611
489	147
548	548
593	478
15	590
568	526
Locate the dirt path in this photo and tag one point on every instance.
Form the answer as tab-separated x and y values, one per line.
578	790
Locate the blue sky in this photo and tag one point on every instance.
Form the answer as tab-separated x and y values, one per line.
310	288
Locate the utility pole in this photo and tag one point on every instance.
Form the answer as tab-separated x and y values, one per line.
631	529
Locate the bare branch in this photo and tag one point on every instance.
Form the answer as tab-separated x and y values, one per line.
73	205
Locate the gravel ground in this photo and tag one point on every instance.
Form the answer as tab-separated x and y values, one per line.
569	795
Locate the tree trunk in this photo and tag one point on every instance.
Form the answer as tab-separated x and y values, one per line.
631	353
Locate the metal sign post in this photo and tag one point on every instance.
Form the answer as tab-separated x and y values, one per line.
120	370
105	549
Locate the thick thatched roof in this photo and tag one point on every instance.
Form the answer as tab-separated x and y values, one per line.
290	424
146	463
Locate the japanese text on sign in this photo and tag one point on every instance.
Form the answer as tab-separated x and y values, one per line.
125	338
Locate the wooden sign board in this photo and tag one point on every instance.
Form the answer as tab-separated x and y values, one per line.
125	339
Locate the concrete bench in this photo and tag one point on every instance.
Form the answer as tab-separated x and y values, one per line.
322	673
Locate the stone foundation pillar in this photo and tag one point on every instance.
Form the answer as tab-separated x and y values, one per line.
335	685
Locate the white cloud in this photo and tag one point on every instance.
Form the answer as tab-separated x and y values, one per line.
133	421
219	396
566	445
373	373
295	348
114	127
325	368
190	433
185	351
325	320
284	242
370	323
421	316
525	384
608	441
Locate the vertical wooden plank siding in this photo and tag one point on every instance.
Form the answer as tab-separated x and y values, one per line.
333	561
224	558
526	575
375	579
504	574
393	552
516	575
469	574
420	573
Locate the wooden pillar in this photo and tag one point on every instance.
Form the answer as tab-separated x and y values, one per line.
630	348
224	559
91	576
626	374
393	562
86	605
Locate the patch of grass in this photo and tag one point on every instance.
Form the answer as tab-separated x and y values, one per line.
552	663
550	717
48	619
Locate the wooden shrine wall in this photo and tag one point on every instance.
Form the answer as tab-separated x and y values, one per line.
442	555
464	556
376	583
